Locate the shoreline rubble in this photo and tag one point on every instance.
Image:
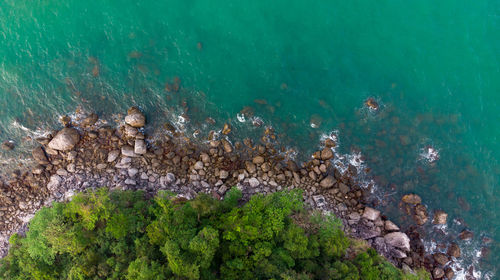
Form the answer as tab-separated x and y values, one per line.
87	156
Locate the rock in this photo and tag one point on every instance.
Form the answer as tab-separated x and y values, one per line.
198	165
51	152
328	182
398	240
54	182
62	172
71	168
223	174
227	129
222	189
449	273
65	139
132	172
390	226
344	188
39	156
71	156
454	250
37	170
438	273
113	155
8	145
439	217
130	182
250	167
128	151
398	254
368	233
101	166
420	216
466	235
326	154
170	178
371	214
253	182
89	120
135	118
411	199
227	146
265	167
204	158
140	147
258	160
440	258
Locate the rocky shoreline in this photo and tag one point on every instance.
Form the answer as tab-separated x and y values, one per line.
87	156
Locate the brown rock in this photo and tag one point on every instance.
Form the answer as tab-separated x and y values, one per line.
89	120
454	250
421	217
328	182
326	154
227	129
250	167
135	117
439	217
258	160
39	156
411	199
440	258
228	148
438	273
8	145
466	235
449	273
390	226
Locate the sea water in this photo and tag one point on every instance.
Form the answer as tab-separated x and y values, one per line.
303	67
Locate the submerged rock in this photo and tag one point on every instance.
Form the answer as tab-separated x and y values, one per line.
421	217
466	235
454	250
8	145
411	199
65	140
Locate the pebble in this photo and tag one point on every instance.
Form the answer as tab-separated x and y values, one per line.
128	151
132	172
371	214
140	147
62	172
101	166
130	182
223	174
258	160
198	165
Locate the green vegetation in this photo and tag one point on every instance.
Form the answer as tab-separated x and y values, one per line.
122	235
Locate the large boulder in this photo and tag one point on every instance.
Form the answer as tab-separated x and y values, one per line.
398	240
65	139
439	217
411	199
135	117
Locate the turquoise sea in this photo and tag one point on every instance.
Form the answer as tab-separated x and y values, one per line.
303	67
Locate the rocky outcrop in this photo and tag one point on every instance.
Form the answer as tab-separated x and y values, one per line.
398	240
65	140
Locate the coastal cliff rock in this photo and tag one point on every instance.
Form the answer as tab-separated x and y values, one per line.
65	140
398	240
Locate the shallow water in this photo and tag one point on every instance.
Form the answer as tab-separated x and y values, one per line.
306	69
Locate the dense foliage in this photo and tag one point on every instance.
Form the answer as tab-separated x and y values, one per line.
122	235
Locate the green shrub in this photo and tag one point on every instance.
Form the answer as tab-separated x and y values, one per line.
122	235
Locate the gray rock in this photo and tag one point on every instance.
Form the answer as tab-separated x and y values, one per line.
140	147
128	151
223	174
205	185
390	226
253	182
145	176
344	188
132	172
371	214
222	189
438	273
71	156
62	172
398	240
39	156
65	139
398	254
198	165
54	182
101	166
170	178
71	168
130	182
328	182
113	155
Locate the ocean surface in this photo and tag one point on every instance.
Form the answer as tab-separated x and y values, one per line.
305	68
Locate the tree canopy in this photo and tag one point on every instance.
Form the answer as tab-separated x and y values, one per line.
123	235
